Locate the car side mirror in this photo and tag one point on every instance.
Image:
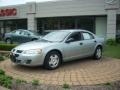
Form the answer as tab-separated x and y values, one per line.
69	40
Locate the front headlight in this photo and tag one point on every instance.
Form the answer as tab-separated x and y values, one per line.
33	51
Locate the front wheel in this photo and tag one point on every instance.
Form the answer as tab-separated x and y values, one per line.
52	60
98	53
8	41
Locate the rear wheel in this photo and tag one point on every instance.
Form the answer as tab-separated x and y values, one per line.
98	53
8	41
52	60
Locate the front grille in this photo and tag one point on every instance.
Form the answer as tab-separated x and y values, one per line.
18	61
19	51
28	61
13	59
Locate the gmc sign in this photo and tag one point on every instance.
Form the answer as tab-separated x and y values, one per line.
8	12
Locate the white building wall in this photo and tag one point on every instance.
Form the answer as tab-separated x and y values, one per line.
118	11
32	25
62	8
70	8
111	24
31	11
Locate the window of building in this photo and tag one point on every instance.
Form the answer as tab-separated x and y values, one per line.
87	23
74	22
67	23
51	24
10	25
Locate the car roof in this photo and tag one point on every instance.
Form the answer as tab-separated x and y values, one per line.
23	30
68	30
74	30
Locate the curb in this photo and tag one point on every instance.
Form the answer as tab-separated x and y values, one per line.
4	51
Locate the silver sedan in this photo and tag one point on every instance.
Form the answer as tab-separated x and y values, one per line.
57	47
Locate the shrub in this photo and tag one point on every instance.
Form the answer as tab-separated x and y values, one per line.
18	81
10	77
2	72
35	82
118	40
1	58
5	81
7	47
108	84
111	42
66	86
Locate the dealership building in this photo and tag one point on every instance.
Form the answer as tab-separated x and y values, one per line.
101	17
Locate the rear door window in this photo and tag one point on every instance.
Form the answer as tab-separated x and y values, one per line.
87	36
17	32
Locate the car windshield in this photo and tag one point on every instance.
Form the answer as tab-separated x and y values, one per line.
56	36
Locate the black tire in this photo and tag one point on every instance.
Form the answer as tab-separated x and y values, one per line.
47	60
98	53
8	41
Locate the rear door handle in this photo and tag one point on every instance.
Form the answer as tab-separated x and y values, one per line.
81	43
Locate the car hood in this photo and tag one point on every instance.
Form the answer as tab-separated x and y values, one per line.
34	45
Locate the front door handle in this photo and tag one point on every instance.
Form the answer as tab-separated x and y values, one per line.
81	43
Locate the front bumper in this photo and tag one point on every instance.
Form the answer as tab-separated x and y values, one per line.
27	59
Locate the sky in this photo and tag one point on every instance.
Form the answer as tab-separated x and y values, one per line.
14	2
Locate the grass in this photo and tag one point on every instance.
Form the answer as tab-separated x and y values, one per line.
35	82
19	81
108	83
66	86
5	80
112	51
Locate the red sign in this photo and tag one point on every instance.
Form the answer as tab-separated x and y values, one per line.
8	12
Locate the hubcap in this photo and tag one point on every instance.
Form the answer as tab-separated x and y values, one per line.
8	41
98	53
54	61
